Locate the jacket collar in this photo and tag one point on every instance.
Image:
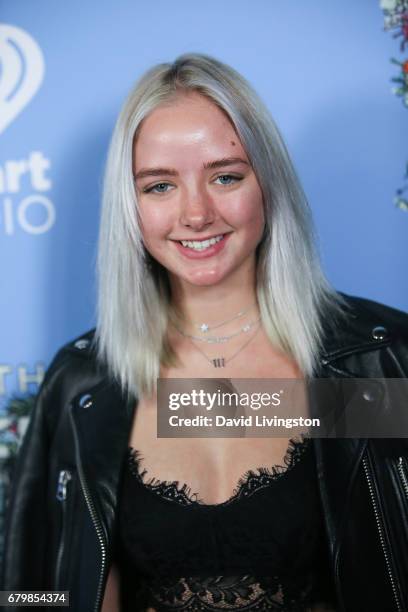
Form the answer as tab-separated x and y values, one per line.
364	330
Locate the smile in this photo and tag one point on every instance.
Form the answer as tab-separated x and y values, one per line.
202	249
200	245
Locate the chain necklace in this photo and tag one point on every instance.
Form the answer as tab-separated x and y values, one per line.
205	327
219	339
221	362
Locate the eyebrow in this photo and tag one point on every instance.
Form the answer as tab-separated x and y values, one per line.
218	163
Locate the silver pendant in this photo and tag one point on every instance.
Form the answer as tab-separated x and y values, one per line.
218	362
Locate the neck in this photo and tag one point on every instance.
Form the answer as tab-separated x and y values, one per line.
210	304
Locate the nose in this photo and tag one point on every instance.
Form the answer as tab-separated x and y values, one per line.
197	211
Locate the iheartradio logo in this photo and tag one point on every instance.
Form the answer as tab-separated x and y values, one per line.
21	72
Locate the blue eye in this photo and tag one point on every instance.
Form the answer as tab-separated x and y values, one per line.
158	188
228	179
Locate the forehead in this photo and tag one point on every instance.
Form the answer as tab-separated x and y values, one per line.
187	127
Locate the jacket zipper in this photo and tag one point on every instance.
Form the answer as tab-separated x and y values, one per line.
381	533
401	467
94	516
63	478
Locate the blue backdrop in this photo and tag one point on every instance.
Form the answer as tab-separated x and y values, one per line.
324	72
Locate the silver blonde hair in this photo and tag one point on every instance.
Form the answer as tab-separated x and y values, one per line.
133	293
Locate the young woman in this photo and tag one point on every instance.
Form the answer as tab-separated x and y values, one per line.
207	266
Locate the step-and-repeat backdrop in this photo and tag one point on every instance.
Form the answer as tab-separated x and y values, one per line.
324	71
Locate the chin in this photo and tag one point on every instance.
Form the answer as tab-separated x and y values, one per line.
204	279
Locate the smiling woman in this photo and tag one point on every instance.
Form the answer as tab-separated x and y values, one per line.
202	217
207	260
195	156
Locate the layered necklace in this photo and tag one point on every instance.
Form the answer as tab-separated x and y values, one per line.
221	361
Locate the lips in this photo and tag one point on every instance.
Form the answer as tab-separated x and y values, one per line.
202	252
200	245
199	238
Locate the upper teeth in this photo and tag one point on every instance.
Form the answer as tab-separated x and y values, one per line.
203	244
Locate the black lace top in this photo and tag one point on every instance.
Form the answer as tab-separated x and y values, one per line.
262	549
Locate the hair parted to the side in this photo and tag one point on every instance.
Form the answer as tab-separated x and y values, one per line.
133	293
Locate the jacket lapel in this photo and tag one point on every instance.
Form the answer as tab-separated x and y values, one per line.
352	353
102	418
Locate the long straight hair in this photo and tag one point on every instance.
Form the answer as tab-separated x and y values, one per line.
134	297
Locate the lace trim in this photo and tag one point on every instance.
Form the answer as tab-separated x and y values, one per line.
167	489
253	480
228	593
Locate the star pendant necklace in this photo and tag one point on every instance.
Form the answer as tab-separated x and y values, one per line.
205	327
221	362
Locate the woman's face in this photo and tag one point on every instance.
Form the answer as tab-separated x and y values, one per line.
201	207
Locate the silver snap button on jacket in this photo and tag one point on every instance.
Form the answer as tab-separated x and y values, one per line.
85	401
379	333
81	344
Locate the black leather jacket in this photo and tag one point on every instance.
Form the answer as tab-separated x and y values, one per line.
61	519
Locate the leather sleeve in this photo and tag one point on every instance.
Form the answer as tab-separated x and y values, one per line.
26	515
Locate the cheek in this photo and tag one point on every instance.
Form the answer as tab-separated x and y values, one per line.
155	222
247	209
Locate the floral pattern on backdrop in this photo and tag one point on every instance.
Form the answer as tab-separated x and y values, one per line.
13	423
396	20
